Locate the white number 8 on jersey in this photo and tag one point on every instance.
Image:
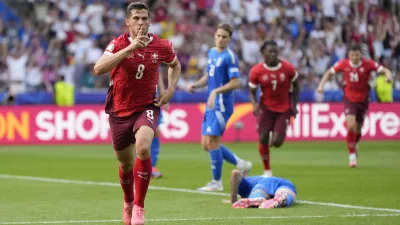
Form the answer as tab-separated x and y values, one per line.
139	73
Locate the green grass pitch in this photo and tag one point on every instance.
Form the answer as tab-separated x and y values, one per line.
48	185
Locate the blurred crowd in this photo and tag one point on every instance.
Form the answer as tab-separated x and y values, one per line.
64	38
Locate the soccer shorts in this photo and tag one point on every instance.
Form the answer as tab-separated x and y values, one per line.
123	129
277	122
214	122
358	109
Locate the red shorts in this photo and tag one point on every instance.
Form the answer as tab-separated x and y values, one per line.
358	109
277	122
123	129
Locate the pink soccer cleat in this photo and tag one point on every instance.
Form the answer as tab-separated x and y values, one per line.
127	213
248	203
137	215
277	202
155	173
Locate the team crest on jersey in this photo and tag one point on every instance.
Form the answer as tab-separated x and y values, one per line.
265	77
282	75
362	69
219	61
273	76
154	57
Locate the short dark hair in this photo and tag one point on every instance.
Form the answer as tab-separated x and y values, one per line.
136	6
355	47
227	27
268	43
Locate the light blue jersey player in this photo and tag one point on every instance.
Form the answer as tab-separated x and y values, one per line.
222	78
261	191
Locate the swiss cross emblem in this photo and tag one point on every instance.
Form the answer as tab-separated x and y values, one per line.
154	57
265	77
282	75
361	69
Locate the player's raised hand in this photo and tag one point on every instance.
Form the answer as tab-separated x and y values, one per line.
164	97
211	100
140	40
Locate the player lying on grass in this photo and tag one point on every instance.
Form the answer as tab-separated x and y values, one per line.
264	192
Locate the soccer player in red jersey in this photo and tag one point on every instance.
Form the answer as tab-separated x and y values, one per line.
276	77
356	76
134	59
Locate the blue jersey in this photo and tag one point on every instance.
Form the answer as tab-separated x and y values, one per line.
222	67
268	184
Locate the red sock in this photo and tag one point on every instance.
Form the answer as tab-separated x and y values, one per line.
263	149
142	172
358	138
126	180
351	142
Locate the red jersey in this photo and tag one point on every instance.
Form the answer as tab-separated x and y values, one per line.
275	82
356	78
134	81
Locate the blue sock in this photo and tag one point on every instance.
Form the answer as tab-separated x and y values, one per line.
216	163
257	194
154	151
228	155
289	201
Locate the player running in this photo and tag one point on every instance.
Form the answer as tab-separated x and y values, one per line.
134	59
276	78
263	192
222	78
356	76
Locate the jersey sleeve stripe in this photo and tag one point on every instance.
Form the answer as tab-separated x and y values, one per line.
379	69
295	77
108	53
252	85
232	55
169	63
333	70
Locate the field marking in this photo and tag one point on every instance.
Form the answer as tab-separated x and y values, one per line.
201	219
53	180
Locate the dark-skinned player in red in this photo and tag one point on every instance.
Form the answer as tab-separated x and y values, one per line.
277	79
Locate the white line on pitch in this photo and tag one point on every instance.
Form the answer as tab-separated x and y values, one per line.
201	219
53	180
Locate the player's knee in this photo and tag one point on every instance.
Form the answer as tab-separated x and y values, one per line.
352	127
277	141
264	138
126	166
142	150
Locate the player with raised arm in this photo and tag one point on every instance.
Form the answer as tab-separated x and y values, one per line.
264	192
222	78
134	59
356	76
277	78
